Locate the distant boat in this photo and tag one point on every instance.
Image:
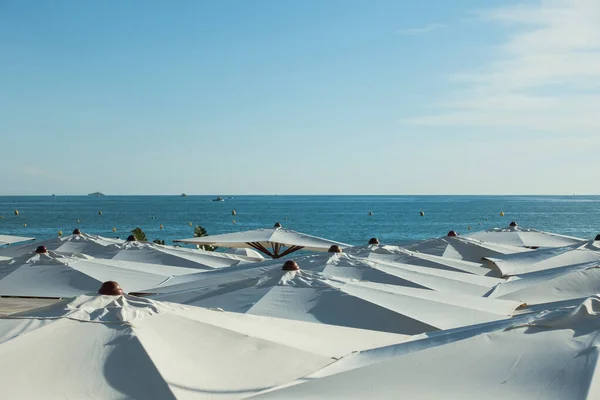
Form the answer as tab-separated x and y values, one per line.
97	194
218	199
53	195
183	195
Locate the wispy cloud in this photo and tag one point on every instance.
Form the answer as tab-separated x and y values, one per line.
545	76
420	30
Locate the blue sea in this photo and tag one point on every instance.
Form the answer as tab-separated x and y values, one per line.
342	218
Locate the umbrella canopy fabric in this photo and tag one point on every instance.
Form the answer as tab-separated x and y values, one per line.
274	242
249	253
551	286
68	244
341	266
462	248
53	275
402	255
305	296
546	259
524	237
8	239
115	347
167	255
552	356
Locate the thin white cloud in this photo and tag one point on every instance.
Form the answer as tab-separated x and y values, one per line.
545	76
418	31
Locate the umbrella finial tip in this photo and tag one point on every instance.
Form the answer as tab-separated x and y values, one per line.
335	249
290	265
452	234
76	231
110	288
374	240
513	224
41	250
277	225
131	238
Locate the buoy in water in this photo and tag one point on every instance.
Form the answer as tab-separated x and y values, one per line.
190	224
77	221
161	226
152	217
422	214
114	229
233	212
502	213
468	228
233	221
24	224
59	233
99	212
370	213
16	212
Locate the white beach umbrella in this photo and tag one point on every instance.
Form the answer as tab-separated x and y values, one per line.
462	248
550	357
9	239
514	235
132	250
249	253
551	286
116	347
402	255
546	259
275	242
78	242
49	274
305	296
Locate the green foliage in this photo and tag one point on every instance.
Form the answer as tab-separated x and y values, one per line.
200	232
158	241
139	235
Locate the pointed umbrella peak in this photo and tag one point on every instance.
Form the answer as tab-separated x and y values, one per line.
335	249
452	234
41	250
277	225
110	288
597	238
290	265
513	224
373	240
131	238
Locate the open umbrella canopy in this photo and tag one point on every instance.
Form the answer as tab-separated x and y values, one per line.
50	274
341	266
551	286
514	235
462	248
306	296
168	255
275	242
546	259
247	253
551	356
8	239
68	244
115	347
402	255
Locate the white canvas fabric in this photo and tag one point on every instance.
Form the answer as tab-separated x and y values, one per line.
9	239
115	347
524	237
306	296
462	248
552	357
249	253
546	259
168	255
342	266
53	275
69	244
268	238
401	255
551	286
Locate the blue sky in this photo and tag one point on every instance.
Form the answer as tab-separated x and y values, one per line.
300	97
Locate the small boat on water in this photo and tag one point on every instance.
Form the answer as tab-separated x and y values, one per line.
96	194
218	199
183	195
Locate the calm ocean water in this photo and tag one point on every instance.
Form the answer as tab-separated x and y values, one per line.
342	218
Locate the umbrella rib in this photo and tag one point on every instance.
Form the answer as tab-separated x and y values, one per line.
261	248
291	250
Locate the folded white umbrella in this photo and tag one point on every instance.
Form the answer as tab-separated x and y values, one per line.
275	242
9	239
546	259
402	255
462	248
305	296
116	347
53	275
514	235
551	357
551	286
